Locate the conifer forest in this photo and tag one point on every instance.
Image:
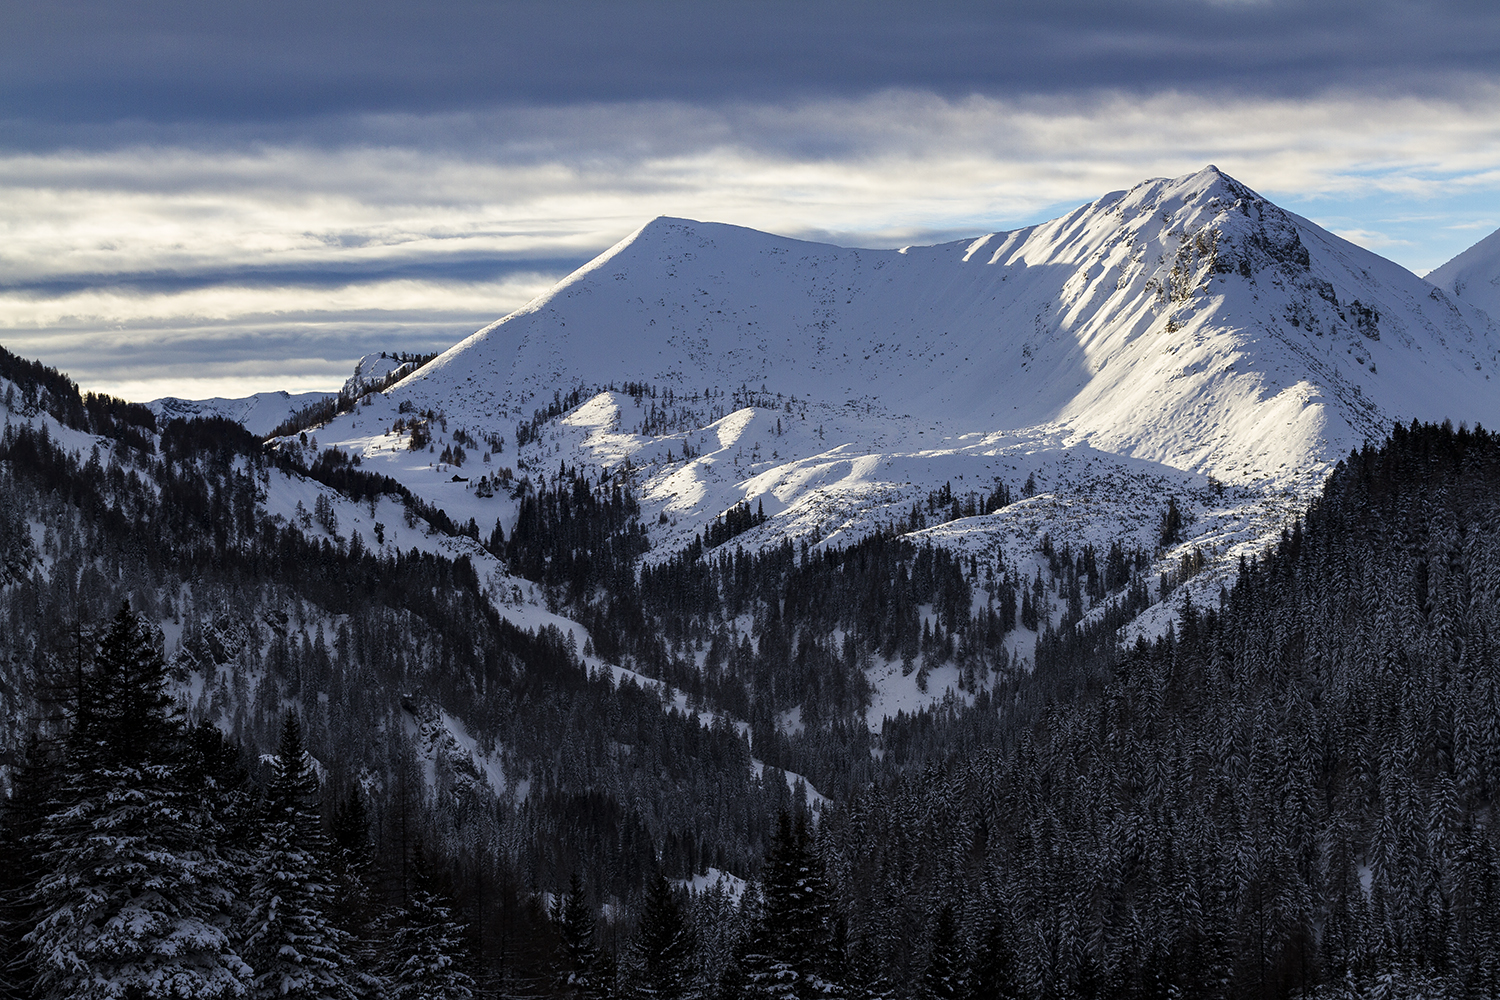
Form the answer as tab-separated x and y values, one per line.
1289	794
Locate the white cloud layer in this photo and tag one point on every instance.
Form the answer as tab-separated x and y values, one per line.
158	267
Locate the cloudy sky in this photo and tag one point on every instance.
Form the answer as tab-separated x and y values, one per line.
201	199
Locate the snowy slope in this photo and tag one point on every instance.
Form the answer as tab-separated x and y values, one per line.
370	370
1473	276
261	413
1182	329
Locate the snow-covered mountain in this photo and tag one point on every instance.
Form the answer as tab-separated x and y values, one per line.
373	369
261	413
1185	321
1167	372
1132	349
1473	276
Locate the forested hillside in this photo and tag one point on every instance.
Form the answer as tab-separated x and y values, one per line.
1289	794
343	772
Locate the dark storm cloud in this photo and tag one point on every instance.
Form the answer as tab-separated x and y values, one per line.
207	199
76	61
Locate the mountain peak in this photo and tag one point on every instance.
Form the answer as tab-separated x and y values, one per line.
1210	182
665	225
1207	190
672	230
1186	321
666	238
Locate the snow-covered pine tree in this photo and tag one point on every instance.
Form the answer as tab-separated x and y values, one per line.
427	949
135	900
992	966
764	971
291	940
663	948
865	975
351	862
715	918
788	954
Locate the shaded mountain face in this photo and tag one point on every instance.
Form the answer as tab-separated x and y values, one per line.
1188	322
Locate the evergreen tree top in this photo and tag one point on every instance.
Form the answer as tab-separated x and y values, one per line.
124	704
294	789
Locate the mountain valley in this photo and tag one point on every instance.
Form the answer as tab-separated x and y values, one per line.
1107	602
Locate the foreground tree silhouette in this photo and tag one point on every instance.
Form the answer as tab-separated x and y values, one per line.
664	947
943	978
352	867
791	952
580	967
134	900
992	970
20	821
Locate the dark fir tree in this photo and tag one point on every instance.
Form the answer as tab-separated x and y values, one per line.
1169	531
663	947
580	967
351	862
291	939
992	965
21	817
943	978
789	950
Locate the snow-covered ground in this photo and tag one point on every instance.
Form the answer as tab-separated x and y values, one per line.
732	885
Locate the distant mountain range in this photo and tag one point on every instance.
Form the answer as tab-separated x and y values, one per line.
260	413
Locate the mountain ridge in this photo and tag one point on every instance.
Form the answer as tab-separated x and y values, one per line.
260	413
1183	338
